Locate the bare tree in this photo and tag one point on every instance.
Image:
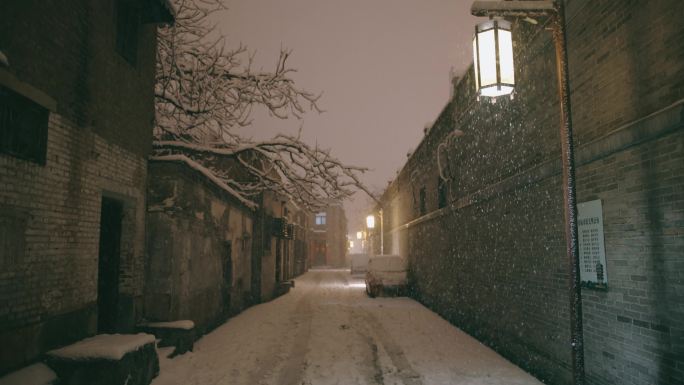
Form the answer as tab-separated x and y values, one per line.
204	91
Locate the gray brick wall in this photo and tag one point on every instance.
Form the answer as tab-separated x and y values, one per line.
59	206
98	139
493	262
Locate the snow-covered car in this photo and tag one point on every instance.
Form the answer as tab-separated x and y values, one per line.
359	263
386	275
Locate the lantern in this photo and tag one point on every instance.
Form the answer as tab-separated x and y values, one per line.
493	58
370	221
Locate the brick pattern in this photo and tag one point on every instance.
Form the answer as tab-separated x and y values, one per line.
60	202
494	262
634	330
333	234
98	140
67	50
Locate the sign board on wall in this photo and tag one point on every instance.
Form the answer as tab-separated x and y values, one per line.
592	251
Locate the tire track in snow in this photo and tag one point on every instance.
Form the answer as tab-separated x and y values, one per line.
299	314
377	337
293	370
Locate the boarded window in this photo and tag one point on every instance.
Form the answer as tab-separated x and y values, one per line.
441	193
12	236
127	22
23	127
423	203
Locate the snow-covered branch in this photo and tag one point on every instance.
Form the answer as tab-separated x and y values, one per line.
204	91
308	175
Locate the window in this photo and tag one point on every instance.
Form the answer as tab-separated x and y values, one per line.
320	219
23	127
423	205
127	21
441	193
12	236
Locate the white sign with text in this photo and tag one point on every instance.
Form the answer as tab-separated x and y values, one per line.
592	252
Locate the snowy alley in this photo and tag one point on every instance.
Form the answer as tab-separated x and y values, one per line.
327	331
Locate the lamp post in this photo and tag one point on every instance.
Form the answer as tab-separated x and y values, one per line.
482	47
370	223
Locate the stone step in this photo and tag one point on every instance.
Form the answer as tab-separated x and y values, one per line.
180	334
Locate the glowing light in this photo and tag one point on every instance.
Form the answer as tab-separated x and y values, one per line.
357	285
370	221
493	58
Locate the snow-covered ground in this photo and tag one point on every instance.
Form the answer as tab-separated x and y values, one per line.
327	331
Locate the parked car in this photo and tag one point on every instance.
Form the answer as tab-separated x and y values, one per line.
359	263
386	275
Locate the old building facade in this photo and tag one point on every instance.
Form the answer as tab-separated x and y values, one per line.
328	237
212	251
76	113
199	250
485	239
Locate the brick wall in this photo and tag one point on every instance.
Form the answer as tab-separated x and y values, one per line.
48	293
333	234
493	261
67	50
98	138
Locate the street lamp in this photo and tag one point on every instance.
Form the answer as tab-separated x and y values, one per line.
556	10
493	58
370	223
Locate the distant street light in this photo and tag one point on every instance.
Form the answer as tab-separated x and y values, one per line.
370	221
492	56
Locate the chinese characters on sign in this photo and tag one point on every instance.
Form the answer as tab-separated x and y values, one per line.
592	252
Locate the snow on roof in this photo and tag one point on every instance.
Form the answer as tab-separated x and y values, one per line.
36	374
511	8
180	324
105	346
207	173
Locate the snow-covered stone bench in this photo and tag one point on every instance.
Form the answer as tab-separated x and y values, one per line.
180	334
107	359
36	374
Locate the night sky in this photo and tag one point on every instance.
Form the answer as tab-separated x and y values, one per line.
383	67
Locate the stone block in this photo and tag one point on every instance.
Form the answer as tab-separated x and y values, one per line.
107	359
180	334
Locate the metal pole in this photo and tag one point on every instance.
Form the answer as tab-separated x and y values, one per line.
382	234
570	197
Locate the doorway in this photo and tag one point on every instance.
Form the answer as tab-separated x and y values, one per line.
278	261
109	260
227	275
320	253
